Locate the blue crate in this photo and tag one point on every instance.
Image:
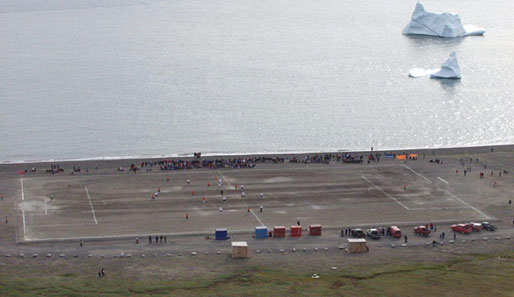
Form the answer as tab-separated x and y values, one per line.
221	234
261	232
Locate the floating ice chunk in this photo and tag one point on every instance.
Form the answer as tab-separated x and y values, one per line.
445	25
449	69
421	72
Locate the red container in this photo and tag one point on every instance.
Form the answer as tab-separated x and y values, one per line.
315	230
279	231
296	231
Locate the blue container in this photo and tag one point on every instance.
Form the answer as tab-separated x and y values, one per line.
261	232
221	234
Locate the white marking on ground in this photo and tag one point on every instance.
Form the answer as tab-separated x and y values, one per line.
280	211
380	189
246	205
449	207
442	180
462	201
23	211
316	207
22	192
24	226
91	204
418	174
278	179
470	206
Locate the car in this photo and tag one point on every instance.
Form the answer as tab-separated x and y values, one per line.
476	227
373	234
422	230
488	227
394	231
357	233
462	228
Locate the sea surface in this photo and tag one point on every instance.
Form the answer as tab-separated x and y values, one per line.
118	78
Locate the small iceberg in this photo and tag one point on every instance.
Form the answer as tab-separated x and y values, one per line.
449	69
444	25
422	72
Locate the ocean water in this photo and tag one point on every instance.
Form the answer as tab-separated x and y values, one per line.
96	78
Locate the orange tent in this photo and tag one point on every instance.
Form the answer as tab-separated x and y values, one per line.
401	157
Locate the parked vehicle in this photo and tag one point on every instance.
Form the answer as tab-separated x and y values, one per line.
488	227
395	231
358	233
373	234
476	227
462	228
422	230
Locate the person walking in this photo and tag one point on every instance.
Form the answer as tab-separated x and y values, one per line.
149	239
454	236
260	208
187	216
405	238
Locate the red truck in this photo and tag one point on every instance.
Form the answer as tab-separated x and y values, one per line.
395	232
462	228
422	230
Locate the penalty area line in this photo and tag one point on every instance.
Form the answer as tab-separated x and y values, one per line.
251	210
442	180
380	189
91	204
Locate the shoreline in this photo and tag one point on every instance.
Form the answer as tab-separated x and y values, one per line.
215	155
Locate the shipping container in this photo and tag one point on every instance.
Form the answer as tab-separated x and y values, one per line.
261	232
296	231
279	231
221	234
315	230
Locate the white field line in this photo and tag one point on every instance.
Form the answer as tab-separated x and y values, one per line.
380	189
22	191
472	207
44	204
442	180
91	204
440	208
23	211
178	172
418	174
24	228
446	191
251	210
136	235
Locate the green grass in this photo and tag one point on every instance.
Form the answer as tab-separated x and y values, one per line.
474	275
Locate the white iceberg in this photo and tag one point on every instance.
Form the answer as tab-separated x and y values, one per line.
445	25
421	72
449	69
